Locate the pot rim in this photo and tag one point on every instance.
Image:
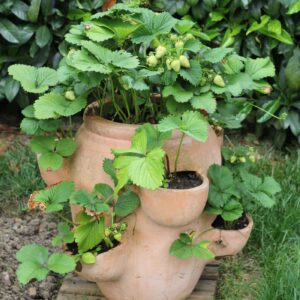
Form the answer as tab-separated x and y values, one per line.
247	228
117	130
203	186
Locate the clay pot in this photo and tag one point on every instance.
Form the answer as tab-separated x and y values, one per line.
229	242
97	136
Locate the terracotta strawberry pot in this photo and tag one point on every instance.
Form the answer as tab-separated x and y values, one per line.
149	271
229	242
97	136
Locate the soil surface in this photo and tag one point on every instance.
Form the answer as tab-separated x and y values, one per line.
240	223
14	233
184	180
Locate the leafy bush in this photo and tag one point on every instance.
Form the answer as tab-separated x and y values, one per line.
31	32
256	28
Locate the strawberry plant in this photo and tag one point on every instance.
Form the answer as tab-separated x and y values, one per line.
148	65
83	238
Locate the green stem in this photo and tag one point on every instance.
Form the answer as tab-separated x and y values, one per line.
267	112
178	153
70	131
64	218
113	99
136	107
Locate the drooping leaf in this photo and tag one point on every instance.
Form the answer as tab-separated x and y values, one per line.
65	235
127	203
191	123
61	263
89	235
205	101
259	68
180	95
215	55
192	74
32	79
43	36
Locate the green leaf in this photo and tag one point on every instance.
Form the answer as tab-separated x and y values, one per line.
294	8
256	26
233	64
184	248
275	26
270	108
109	169
205	101
85	62
104	190
89	201
148	171
66	147
270	186
121	59
192	74
51	161
180	95
33	260
259	68
232	210
11	89
153	24
61	263
34	10
65	235
89	235
42	144
43	36
127	203
98	33
32	79
264	199
191	123
54	197
52	105
237	83
215	55
292	71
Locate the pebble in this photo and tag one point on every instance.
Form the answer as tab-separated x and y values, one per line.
32	292
5	278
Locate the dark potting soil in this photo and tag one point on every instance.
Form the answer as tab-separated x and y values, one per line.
240	223
184	180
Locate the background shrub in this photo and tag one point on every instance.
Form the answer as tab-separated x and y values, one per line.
255	28
31	32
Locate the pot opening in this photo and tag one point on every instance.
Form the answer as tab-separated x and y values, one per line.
240	223
184	180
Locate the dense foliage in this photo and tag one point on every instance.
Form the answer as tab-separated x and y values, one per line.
31	32
256	28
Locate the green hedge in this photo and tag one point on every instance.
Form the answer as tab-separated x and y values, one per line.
31	32
255	28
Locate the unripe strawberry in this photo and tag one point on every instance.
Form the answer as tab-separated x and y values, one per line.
189	36
184	62
118	237
107	232
152	61
266	90
242	159
232	159
88	258
179	44
168	63
154	43
252	158
219	81
174	37
175	65
160	51
70	95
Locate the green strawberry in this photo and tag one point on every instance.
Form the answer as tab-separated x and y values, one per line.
219	81
88	258
184	61
152	60
160	51
175	65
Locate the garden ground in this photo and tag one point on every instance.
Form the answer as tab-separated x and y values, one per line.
268	269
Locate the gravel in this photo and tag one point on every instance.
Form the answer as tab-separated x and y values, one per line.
14	233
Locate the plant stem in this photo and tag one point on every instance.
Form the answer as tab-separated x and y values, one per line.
64	218
178	153
136	107
113	99
267	112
